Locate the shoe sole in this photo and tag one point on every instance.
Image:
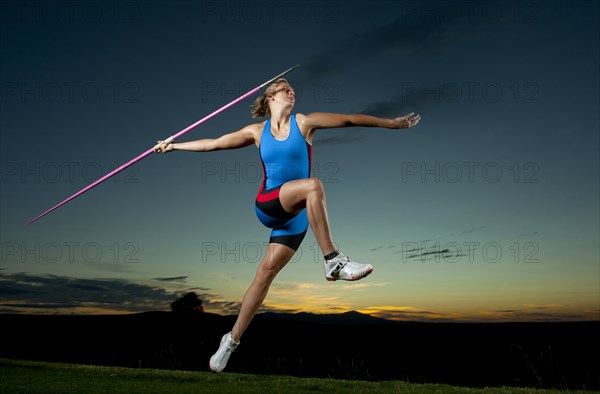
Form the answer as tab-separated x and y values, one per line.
214	370
332	279
210	368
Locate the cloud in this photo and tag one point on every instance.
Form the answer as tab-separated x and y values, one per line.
531	316
172	279
27	291
38	306
392	107
188	289
418	29
426	254
539	313
531	234
421	245
534	306
445	251
221	306
410	313
267	307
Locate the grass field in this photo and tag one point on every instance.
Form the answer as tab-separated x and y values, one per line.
41	377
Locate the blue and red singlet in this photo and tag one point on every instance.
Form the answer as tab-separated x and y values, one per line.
282	161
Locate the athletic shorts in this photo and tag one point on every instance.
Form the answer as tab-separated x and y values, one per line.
288	229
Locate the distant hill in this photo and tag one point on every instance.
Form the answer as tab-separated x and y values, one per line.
347	318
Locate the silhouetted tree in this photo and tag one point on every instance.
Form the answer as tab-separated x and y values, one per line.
187	303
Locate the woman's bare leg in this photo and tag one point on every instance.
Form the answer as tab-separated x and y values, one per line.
275	259
310	194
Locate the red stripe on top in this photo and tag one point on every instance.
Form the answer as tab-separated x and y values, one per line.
309	158
267	196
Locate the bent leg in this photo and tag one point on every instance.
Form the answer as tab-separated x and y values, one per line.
275	259
310	194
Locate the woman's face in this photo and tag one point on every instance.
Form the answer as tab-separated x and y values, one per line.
285	93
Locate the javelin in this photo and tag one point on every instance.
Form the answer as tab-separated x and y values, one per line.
166	141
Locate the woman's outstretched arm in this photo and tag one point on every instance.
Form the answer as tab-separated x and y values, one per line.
237	139
323	120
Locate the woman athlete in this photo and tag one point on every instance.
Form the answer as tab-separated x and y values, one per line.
288	199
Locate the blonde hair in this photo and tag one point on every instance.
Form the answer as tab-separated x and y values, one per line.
260	107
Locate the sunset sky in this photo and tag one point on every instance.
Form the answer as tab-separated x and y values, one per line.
488	210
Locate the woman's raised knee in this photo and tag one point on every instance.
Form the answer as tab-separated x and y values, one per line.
316	186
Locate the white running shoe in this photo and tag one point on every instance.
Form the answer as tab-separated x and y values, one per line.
340	267
219	360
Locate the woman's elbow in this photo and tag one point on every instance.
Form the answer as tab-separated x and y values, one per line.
352	120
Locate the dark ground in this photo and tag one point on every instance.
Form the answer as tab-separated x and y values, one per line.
348	346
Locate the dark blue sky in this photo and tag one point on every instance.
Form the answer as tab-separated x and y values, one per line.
488	209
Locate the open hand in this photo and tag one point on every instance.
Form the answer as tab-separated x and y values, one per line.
406	121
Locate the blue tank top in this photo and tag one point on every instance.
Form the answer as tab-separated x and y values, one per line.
284	160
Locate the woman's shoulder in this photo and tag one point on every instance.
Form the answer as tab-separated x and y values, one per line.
255	129
300	119
256	126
